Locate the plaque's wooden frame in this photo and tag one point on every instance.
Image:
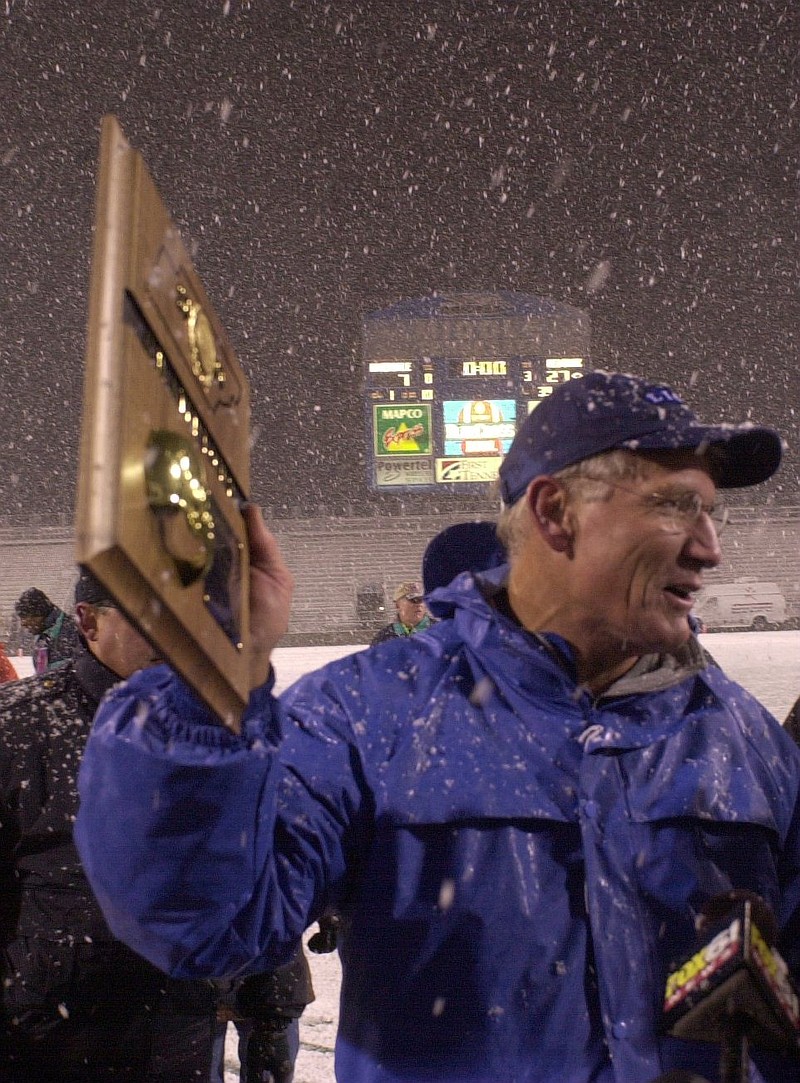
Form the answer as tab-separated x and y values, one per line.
143	375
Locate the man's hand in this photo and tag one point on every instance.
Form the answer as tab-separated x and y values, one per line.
271	586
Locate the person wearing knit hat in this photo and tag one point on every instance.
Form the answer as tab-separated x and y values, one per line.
55	634
33	607
89	589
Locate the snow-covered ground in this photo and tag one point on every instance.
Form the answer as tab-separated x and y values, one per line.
766	663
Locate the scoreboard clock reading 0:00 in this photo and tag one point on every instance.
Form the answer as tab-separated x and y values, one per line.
449	420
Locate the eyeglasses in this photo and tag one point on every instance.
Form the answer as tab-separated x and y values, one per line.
681	509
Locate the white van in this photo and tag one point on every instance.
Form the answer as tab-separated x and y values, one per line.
744	603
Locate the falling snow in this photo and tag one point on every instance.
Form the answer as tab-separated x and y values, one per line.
327	160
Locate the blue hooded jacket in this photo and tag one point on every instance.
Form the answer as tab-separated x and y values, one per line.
516	864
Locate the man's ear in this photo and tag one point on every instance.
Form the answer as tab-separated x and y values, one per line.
86	619
547	500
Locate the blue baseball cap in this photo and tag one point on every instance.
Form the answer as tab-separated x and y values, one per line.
604	411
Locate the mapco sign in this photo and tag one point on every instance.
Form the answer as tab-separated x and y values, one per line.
468	470
402	429
404	471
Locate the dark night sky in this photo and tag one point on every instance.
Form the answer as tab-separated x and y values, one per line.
638	159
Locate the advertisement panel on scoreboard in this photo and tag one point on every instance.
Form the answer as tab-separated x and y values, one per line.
479	426
402	429
436	421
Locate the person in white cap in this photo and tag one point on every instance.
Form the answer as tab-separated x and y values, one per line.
412	616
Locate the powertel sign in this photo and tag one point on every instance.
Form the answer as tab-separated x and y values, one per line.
402	429
403	471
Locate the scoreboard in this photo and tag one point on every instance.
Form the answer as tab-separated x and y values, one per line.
448	421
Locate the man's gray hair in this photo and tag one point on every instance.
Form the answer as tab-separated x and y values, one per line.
589	475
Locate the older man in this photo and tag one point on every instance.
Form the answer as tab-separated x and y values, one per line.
518	814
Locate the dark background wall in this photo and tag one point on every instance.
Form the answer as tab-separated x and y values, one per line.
638	160
345	567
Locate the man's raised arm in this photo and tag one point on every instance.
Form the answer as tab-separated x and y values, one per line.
172	829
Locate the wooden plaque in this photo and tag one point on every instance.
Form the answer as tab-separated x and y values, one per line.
164	462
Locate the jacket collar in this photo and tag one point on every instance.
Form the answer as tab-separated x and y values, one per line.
473	593
503	729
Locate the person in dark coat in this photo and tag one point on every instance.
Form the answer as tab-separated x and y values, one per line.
461	547
77	1005
265	1009
56	634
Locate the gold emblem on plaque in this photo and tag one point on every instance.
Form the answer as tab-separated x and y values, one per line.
202	344
177	490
